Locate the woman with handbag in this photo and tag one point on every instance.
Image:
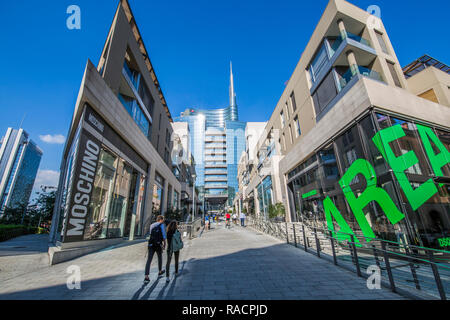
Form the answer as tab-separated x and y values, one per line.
175	244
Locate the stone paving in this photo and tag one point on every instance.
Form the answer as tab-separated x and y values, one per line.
236	263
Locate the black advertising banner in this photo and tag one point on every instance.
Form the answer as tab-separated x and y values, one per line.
85	168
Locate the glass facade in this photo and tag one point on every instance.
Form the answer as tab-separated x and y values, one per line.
217	140
19	163
102	194
265	194
116	200
397	174
157	198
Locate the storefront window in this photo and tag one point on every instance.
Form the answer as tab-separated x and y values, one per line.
175	200
265	195
116	219
140	206
157	195
97	221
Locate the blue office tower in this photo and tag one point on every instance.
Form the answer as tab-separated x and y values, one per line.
217	139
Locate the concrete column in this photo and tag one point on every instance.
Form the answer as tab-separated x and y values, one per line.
352	62
342	30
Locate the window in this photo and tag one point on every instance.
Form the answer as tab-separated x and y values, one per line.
298	132
381	42
325	92
282	119
159	128
394	75
293	104
290	134
157	143
167	137
320	59
287	110
146	97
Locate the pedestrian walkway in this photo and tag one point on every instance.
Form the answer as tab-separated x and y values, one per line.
236	263
22	255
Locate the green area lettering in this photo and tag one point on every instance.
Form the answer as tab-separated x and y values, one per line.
437	160
371	193
345	231
425	191
309	194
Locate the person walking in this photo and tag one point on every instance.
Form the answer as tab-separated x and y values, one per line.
156	243
227	219
207	222
175	244
242	216
234	218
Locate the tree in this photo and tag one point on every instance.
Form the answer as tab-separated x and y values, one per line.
276	210
45	204
173	214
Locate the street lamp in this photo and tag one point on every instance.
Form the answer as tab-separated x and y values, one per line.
193	196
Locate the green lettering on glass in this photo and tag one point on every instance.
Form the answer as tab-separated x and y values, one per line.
332	212
371	193
309	194
437	160
425	191
444	242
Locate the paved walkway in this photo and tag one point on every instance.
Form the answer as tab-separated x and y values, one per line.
222	264
23	254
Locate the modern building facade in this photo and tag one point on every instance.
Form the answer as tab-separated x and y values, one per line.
19	163
184	169
217	139
116	171
364	148
248	160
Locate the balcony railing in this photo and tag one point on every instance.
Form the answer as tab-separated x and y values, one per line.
348	75
350	35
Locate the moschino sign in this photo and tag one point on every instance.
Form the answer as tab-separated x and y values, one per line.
415	196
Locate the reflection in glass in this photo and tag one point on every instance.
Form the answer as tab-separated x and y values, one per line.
96	224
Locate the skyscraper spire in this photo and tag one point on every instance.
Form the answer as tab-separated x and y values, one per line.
232	94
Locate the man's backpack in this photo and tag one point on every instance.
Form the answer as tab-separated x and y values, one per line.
177	243
156	237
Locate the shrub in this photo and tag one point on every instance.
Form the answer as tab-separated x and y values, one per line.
10	231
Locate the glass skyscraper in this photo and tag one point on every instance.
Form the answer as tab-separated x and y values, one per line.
217	139
19	162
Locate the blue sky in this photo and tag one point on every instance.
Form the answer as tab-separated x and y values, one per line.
190	43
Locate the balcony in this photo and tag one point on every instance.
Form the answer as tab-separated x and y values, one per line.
347	76
353	37
216	179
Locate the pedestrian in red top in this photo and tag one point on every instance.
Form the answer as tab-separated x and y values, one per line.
227	218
